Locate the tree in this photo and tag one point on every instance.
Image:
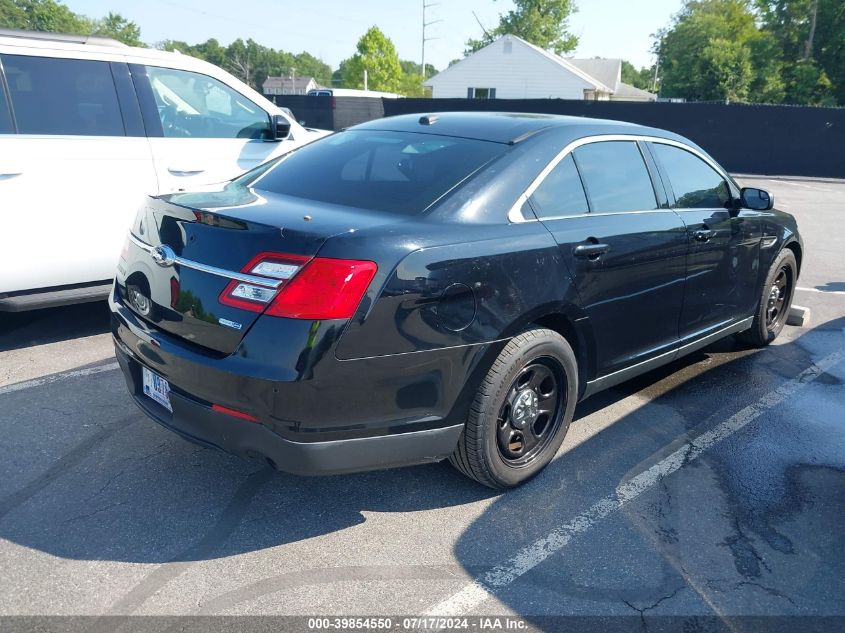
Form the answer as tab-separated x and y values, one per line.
713	50
43	15
116	26
377	55
544	23
642	78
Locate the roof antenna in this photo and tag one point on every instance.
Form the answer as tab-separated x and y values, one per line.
428	119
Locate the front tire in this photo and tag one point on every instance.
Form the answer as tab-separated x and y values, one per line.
774	302
521	412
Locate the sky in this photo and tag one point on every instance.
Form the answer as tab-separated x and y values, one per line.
329	29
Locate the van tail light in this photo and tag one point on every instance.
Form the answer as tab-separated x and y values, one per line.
318	288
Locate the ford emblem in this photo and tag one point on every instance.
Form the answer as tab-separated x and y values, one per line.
163	256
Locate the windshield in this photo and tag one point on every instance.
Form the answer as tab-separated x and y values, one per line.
398	172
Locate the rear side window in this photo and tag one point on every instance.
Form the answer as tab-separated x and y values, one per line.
63	96
561	193
695	183
398	172
615	176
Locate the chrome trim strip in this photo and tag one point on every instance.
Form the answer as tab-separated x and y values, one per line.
621	375
265	282
767	241
515	214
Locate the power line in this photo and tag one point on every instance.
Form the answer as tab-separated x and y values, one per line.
425	6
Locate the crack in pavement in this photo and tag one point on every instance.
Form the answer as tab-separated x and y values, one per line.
654	605
229	519
63	464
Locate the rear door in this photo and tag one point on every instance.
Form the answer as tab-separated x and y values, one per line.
722	262
624	248
74	173
201	130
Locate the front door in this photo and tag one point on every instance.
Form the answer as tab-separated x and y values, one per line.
625	250
201	130
723	260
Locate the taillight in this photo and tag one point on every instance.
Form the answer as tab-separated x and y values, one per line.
255	297
321	288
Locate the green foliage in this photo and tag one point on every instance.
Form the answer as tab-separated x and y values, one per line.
642	78
43	15
116	26
766	51
543	23
376	54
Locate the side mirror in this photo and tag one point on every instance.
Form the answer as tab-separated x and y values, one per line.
756	199
280	127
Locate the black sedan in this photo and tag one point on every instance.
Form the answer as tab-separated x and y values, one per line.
446	286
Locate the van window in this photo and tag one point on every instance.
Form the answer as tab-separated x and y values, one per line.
5	117
397	172
63	96
615	176
192	105
561	193
695	183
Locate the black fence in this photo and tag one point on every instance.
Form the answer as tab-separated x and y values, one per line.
750	139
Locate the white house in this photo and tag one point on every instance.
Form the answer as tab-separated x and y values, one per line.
511	68
289	85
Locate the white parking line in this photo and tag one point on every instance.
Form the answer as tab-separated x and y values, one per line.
37	382
477	591
819	290
803	186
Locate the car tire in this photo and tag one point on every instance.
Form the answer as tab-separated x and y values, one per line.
510	434
774	301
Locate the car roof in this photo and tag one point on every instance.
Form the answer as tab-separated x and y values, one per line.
508	127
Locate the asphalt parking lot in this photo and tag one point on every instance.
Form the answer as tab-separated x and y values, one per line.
712	487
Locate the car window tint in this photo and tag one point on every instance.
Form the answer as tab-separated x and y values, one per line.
63	96
615	176
5	117
398	172
561	193
192	105
695	183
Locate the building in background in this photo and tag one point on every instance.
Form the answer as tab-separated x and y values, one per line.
289	85
511	68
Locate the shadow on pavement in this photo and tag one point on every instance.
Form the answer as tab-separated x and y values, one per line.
51	325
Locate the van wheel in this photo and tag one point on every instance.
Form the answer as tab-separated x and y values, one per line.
521	412
774	302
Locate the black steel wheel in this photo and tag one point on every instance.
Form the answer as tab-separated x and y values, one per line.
774	302
521	412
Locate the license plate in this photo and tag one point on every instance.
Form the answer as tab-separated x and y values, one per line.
156	388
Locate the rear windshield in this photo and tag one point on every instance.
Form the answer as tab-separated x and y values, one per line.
398	172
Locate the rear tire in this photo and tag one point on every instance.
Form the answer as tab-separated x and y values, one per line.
521	412
774	301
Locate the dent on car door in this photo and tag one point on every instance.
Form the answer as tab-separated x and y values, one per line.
201	130
723	256
74	173
625	250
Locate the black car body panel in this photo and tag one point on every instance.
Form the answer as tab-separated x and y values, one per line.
454	283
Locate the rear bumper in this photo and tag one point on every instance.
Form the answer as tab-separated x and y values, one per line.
337	417
202	425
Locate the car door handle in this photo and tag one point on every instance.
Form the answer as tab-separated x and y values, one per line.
704	235
177	171
590	250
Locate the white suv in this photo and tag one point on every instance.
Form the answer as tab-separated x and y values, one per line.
88	127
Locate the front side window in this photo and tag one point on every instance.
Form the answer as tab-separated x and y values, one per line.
561	193
63	96
695	183
192	105
615	176
396	172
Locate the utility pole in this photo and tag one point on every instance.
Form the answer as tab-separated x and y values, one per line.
293	81
426	5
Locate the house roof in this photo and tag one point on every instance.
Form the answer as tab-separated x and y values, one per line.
632	92
288	83
607	71
556	59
